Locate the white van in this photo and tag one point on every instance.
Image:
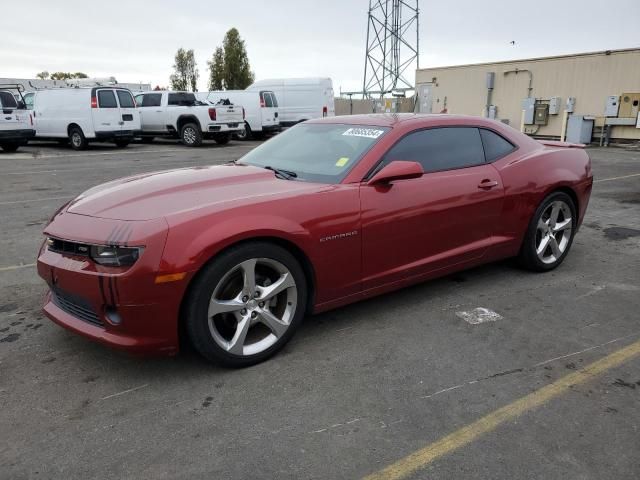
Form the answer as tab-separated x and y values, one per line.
300	99
260	110
83	115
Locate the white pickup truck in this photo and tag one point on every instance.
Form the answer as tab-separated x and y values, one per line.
181	115
16	122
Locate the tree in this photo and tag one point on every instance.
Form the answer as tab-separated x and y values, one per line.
66	75
237	72
216	70
185	72
42	75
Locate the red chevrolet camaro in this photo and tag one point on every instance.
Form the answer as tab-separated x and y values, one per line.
330	212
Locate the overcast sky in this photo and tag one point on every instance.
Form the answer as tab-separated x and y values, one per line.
136	41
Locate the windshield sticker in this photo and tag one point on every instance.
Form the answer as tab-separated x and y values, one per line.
342	161
363	132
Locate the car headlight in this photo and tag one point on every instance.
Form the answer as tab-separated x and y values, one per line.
114	256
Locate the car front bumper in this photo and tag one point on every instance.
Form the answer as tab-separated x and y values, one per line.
123	308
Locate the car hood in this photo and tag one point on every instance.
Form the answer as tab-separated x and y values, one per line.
167	193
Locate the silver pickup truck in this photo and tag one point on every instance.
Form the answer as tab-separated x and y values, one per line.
16	122
181	115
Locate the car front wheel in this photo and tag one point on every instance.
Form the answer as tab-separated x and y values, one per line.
246	304
550	233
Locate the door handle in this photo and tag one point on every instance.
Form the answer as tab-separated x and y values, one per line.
487	184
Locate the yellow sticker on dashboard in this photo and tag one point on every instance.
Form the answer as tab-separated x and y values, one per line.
342	161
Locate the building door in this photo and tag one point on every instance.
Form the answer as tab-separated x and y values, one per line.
425	97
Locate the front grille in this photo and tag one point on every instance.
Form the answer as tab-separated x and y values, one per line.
70	248
76	306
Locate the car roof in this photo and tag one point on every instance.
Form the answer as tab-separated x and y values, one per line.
396	119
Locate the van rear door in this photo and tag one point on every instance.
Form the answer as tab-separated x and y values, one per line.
105	111
268	108
129	114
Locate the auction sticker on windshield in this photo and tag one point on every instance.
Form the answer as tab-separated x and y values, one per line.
363	132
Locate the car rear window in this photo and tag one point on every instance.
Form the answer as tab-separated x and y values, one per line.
7	100
495	146
182	98
106	99
125	99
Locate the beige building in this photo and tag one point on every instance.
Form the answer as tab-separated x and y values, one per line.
587	78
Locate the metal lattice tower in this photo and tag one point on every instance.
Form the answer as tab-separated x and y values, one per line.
392	46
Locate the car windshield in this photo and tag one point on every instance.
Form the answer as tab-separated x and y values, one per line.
316	152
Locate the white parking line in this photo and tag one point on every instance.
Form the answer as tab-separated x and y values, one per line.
46	199
17	267
617	178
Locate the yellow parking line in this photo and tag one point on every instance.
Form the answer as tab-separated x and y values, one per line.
617	178
423	457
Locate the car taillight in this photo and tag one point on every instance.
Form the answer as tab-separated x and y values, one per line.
94	102
243	113
212	114
324	111
261	102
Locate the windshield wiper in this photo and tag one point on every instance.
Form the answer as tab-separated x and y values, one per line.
286	174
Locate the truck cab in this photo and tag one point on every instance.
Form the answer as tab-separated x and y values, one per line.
181	115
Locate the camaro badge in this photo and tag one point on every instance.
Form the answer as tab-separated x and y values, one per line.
339	236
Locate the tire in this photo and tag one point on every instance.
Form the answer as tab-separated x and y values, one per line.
244	134
222	138
550	233
122	143
147	139
220	338
77	139
9	147
190	135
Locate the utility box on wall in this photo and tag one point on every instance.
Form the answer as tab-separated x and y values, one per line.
554	105
542	113
612	106
629	105
493	112
528	105
570	105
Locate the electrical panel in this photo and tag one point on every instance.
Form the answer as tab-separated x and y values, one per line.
528	105
629	105
554	105
493	112
612	106
541	113
570	105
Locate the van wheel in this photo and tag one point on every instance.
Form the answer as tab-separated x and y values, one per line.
244	134
222	139
9	147
76	139
121	143
191	135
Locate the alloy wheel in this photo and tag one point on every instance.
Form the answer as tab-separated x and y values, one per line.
553	232
189	135
252	306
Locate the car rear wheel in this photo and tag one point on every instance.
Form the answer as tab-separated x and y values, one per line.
245	305
9	147
550	233
244	134
77	139
191	135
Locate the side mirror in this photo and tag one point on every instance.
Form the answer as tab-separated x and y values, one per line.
397	170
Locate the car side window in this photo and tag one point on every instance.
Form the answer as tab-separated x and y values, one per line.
152	100
495	146
106	99
125	99
438	149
